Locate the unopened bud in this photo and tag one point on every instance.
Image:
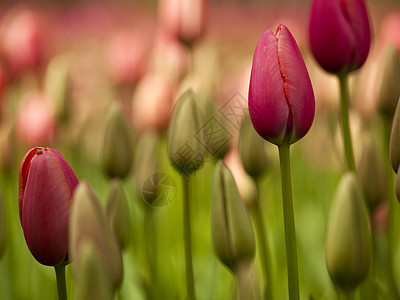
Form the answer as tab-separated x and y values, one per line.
232	233
348	244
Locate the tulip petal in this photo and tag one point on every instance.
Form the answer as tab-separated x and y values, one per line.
296	84
45	209
269	114
332	38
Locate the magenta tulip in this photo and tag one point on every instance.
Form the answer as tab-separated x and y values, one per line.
340	34
46	185
281	98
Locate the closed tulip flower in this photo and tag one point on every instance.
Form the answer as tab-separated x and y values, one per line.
46	185
281	98
340	35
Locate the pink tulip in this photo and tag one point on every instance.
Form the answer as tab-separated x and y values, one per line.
281	98
46	185
23	40
36	121
127	57
183	19
340	34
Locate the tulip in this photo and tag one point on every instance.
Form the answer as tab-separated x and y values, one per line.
232	233
118	144
395	140
340	34
372	173
92	281
46	185
88	224
23	40
126	57
182	19
252	150
35	122
387	79
348	249
57	86
184	149
281	98
118	212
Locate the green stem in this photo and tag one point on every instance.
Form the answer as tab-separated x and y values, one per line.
61	285
288	218
344	109
188	241
261	239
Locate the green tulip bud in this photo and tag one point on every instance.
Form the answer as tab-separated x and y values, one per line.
372	173
56	86
91	281
252	150
146	163
118	212
395	140
118	144
185	148
232	232
348	243
388	79
2	226
88	224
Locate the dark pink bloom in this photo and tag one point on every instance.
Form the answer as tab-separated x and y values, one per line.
281	98
340	35
46	185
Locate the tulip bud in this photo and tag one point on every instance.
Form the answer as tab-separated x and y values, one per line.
184	149
232	233
57	85
35	122
182	19
46	185
387	80
118	212
340	35
2	226
91	280
372	173
348	243
89	225
395	140
118	144
146	162
281	98
252	150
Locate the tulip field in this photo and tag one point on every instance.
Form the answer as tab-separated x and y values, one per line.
200	149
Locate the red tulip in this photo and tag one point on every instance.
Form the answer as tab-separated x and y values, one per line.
46	185
340	34
281	98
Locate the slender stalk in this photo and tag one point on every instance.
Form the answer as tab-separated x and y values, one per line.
344	109
188	241
61	284
261	239
288	218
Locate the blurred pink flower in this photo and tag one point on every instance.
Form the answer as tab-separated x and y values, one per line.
183	19
23	39
281	97
127	57
35	122
46	185
152	102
